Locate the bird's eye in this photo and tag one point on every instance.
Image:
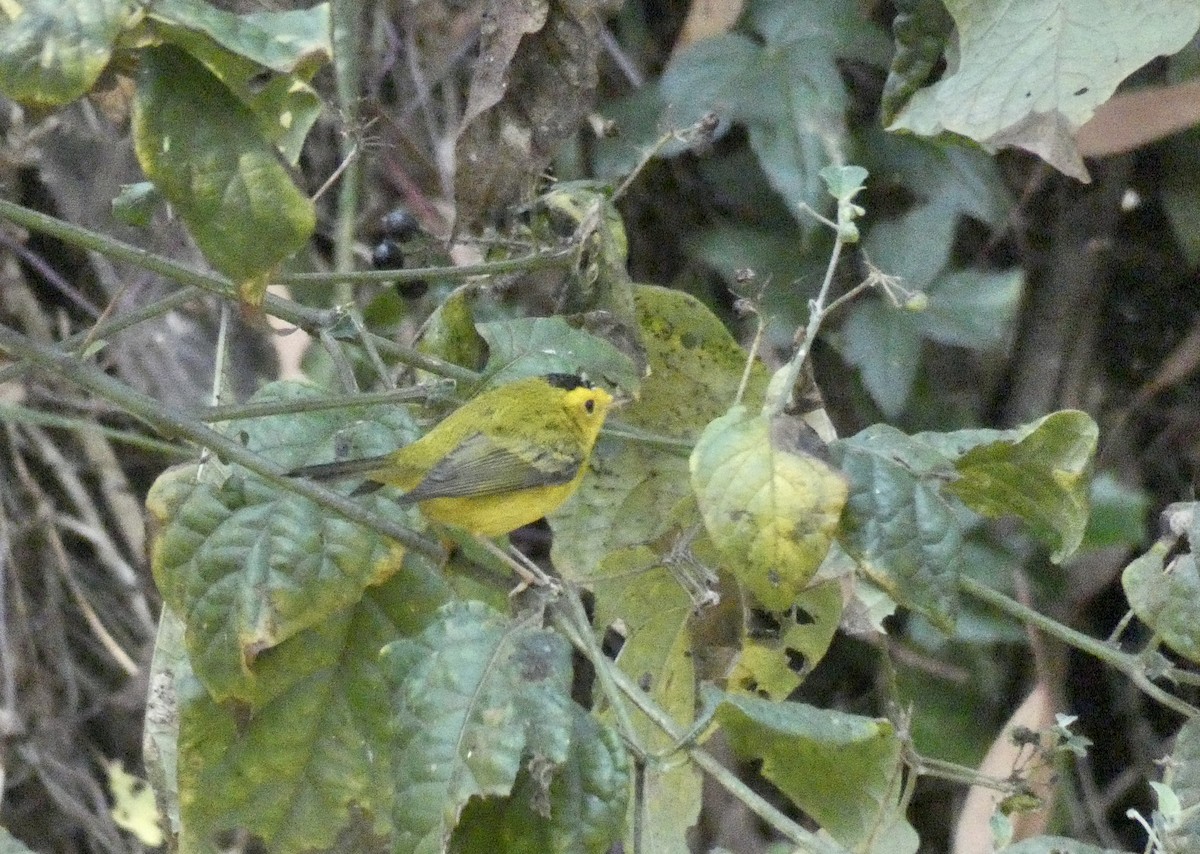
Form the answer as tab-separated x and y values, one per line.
590	405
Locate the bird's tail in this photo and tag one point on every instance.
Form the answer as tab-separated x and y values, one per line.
340	469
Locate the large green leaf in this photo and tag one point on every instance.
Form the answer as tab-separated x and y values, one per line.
544	345
783	84
238	48
966	307
770	507
843	770
475	695
1166	597
309	765
223	177
1029	75
884	344
579	809
898	523
636	592
247	566
1039	472
284	41
1181	772
777	655
53	51
629	496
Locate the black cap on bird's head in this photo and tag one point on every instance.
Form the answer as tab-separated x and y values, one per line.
568	382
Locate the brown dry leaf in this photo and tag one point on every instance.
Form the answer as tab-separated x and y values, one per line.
533	84
1133	119
707	18
973	833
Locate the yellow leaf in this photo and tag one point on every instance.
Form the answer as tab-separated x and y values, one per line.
770	508
133	805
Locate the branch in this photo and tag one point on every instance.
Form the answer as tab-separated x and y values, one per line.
1128	664
171	421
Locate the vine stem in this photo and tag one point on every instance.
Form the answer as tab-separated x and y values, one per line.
806	841
817	312
171	421
273	304
1128	664
240	411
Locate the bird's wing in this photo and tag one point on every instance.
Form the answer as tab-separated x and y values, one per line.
479	465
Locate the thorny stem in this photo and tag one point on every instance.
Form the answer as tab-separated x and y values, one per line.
108	328
18	414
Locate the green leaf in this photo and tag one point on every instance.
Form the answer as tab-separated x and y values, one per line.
237	48
898	523
776	254
1118	516
53	51
770	508
450	333
1167	599
1039	472
696	365
9	844
136	203
1028	79
636	592
843	770
773	661
247	566
309	766
1182	773
783	86
630	494
920	28
884	344
579	808
134	808
285	41
475	695
671	800
971	308
542	345
843	182
222	176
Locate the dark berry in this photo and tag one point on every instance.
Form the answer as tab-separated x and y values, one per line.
400	224
387	255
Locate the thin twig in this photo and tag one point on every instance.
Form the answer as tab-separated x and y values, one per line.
169	420
241	411
1130	665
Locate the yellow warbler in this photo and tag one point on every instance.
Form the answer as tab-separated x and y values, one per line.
502	460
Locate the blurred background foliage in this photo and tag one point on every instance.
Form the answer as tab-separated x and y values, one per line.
1043	293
